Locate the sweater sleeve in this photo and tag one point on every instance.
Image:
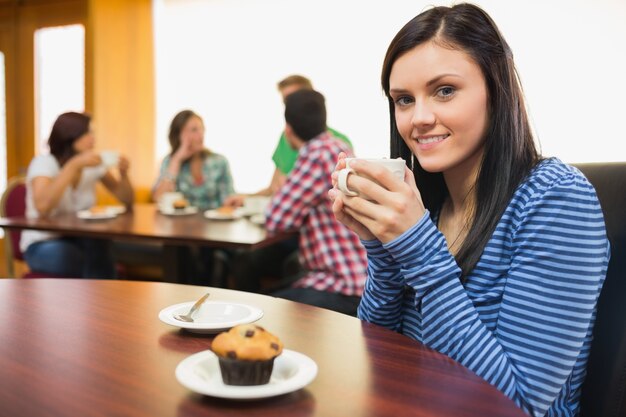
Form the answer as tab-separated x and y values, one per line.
384	289
559	255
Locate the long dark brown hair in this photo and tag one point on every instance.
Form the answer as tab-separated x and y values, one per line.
176	127
67	128
509	149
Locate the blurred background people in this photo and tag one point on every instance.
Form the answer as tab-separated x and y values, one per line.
64	182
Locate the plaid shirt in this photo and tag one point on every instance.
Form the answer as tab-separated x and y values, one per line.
330	252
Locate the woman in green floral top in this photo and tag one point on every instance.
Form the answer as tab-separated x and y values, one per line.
204	179
201	175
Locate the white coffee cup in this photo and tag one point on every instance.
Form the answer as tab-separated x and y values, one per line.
255	204
396	166
166	201
110	158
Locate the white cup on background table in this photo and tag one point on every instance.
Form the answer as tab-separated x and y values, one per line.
166	201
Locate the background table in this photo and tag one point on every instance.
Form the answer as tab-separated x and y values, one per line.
146	223
97	348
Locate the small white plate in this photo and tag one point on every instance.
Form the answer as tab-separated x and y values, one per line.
117	209
100	215
216	215
173	212
212	317
258	219
201	373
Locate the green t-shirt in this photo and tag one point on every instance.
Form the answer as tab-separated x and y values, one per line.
285	156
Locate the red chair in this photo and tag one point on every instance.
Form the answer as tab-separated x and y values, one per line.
13	204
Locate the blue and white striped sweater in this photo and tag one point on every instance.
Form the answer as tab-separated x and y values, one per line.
524	318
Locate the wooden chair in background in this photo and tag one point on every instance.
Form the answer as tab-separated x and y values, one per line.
13	204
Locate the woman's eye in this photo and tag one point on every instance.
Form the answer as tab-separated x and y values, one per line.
446	92
403	101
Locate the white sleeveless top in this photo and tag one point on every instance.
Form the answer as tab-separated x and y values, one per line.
74	199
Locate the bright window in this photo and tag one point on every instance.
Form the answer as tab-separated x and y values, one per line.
59	77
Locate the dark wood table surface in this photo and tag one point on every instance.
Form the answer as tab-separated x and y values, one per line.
145	222
97	348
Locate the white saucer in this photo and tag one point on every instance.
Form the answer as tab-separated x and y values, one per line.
258	219
201	373
216	215
173	212
102	215
212	317
117	209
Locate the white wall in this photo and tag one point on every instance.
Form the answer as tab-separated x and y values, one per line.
222	58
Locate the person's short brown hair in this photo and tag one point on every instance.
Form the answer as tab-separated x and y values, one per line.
305	111
295	79
67	129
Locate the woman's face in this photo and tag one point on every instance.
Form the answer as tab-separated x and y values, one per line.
86	142
440	98
192	134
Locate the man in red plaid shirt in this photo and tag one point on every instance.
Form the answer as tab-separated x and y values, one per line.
333	260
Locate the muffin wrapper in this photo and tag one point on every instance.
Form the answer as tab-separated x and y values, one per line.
240	372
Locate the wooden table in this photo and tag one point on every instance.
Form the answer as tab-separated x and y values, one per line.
96	348
146	223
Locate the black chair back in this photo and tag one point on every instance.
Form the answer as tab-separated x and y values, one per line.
604	389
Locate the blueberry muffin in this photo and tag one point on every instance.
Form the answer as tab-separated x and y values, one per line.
246	354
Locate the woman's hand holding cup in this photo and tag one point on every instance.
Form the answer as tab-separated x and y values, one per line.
396	166
380	195
123	165
339	209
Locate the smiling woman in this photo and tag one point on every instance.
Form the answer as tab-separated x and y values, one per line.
485	251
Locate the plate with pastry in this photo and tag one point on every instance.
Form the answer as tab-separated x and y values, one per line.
224	213
97	213
247	362
178	207
117	209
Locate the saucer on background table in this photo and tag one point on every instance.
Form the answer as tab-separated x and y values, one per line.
117	209
170	211
201	373
102	213
212	316
258	219
216	214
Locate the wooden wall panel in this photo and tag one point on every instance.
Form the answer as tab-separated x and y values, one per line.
121	40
